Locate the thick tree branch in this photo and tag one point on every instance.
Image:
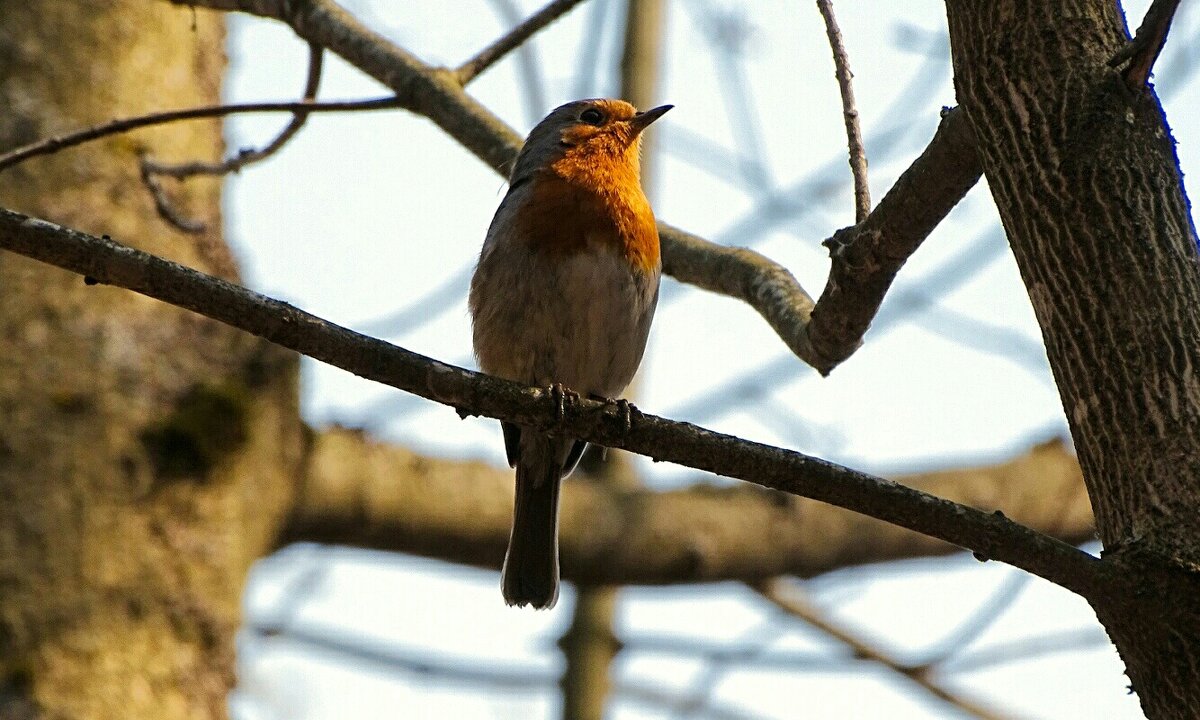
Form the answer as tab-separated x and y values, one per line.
742	274
989	535
867	256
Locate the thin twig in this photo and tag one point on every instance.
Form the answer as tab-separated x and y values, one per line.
990	535
248	156
983	617
590	45
496	676
52	145
1143	50
790	600
858	153
151	169
163	205
704	685
1023	649
488	56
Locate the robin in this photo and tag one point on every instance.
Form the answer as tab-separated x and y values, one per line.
562	297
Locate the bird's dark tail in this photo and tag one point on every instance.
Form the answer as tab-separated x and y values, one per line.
530	575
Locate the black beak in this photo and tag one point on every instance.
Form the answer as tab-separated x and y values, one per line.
643	119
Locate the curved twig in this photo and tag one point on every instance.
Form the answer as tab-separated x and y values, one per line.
249	156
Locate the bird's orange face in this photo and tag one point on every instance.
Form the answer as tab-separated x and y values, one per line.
611	127
587	136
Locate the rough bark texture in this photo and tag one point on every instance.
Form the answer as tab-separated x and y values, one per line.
145	451
1087	183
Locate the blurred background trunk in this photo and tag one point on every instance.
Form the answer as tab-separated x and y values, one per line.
146	453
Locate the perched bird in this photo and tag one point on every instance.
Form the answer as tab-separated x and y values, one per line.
563	296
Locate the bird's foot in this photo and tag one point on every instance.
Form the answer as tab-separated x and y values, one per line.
625	411
562	397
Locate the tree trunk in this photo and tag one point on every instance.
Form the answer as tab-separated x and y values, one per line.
1084	173
146	453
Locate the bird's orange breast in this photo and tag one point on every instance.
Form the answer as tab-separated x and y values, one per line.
568	212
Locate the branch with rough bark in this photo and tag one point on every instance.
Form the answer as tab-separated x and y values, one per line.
989	535
772	290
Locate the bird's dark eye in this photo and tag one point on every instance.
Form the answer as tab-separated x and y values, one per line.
592	116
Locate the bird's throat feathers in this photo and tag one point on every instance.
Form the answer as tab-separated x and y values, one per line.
587	199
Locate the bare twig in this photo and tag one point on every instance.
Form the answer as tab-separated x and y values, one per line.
792	601
487	57
741	655
728	33
1023	649
166	209
500	676
497	676
422	310
1143	50
151	169
52	145
989	535
704	685
248	156
858	153
297	591
590	45
980	620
